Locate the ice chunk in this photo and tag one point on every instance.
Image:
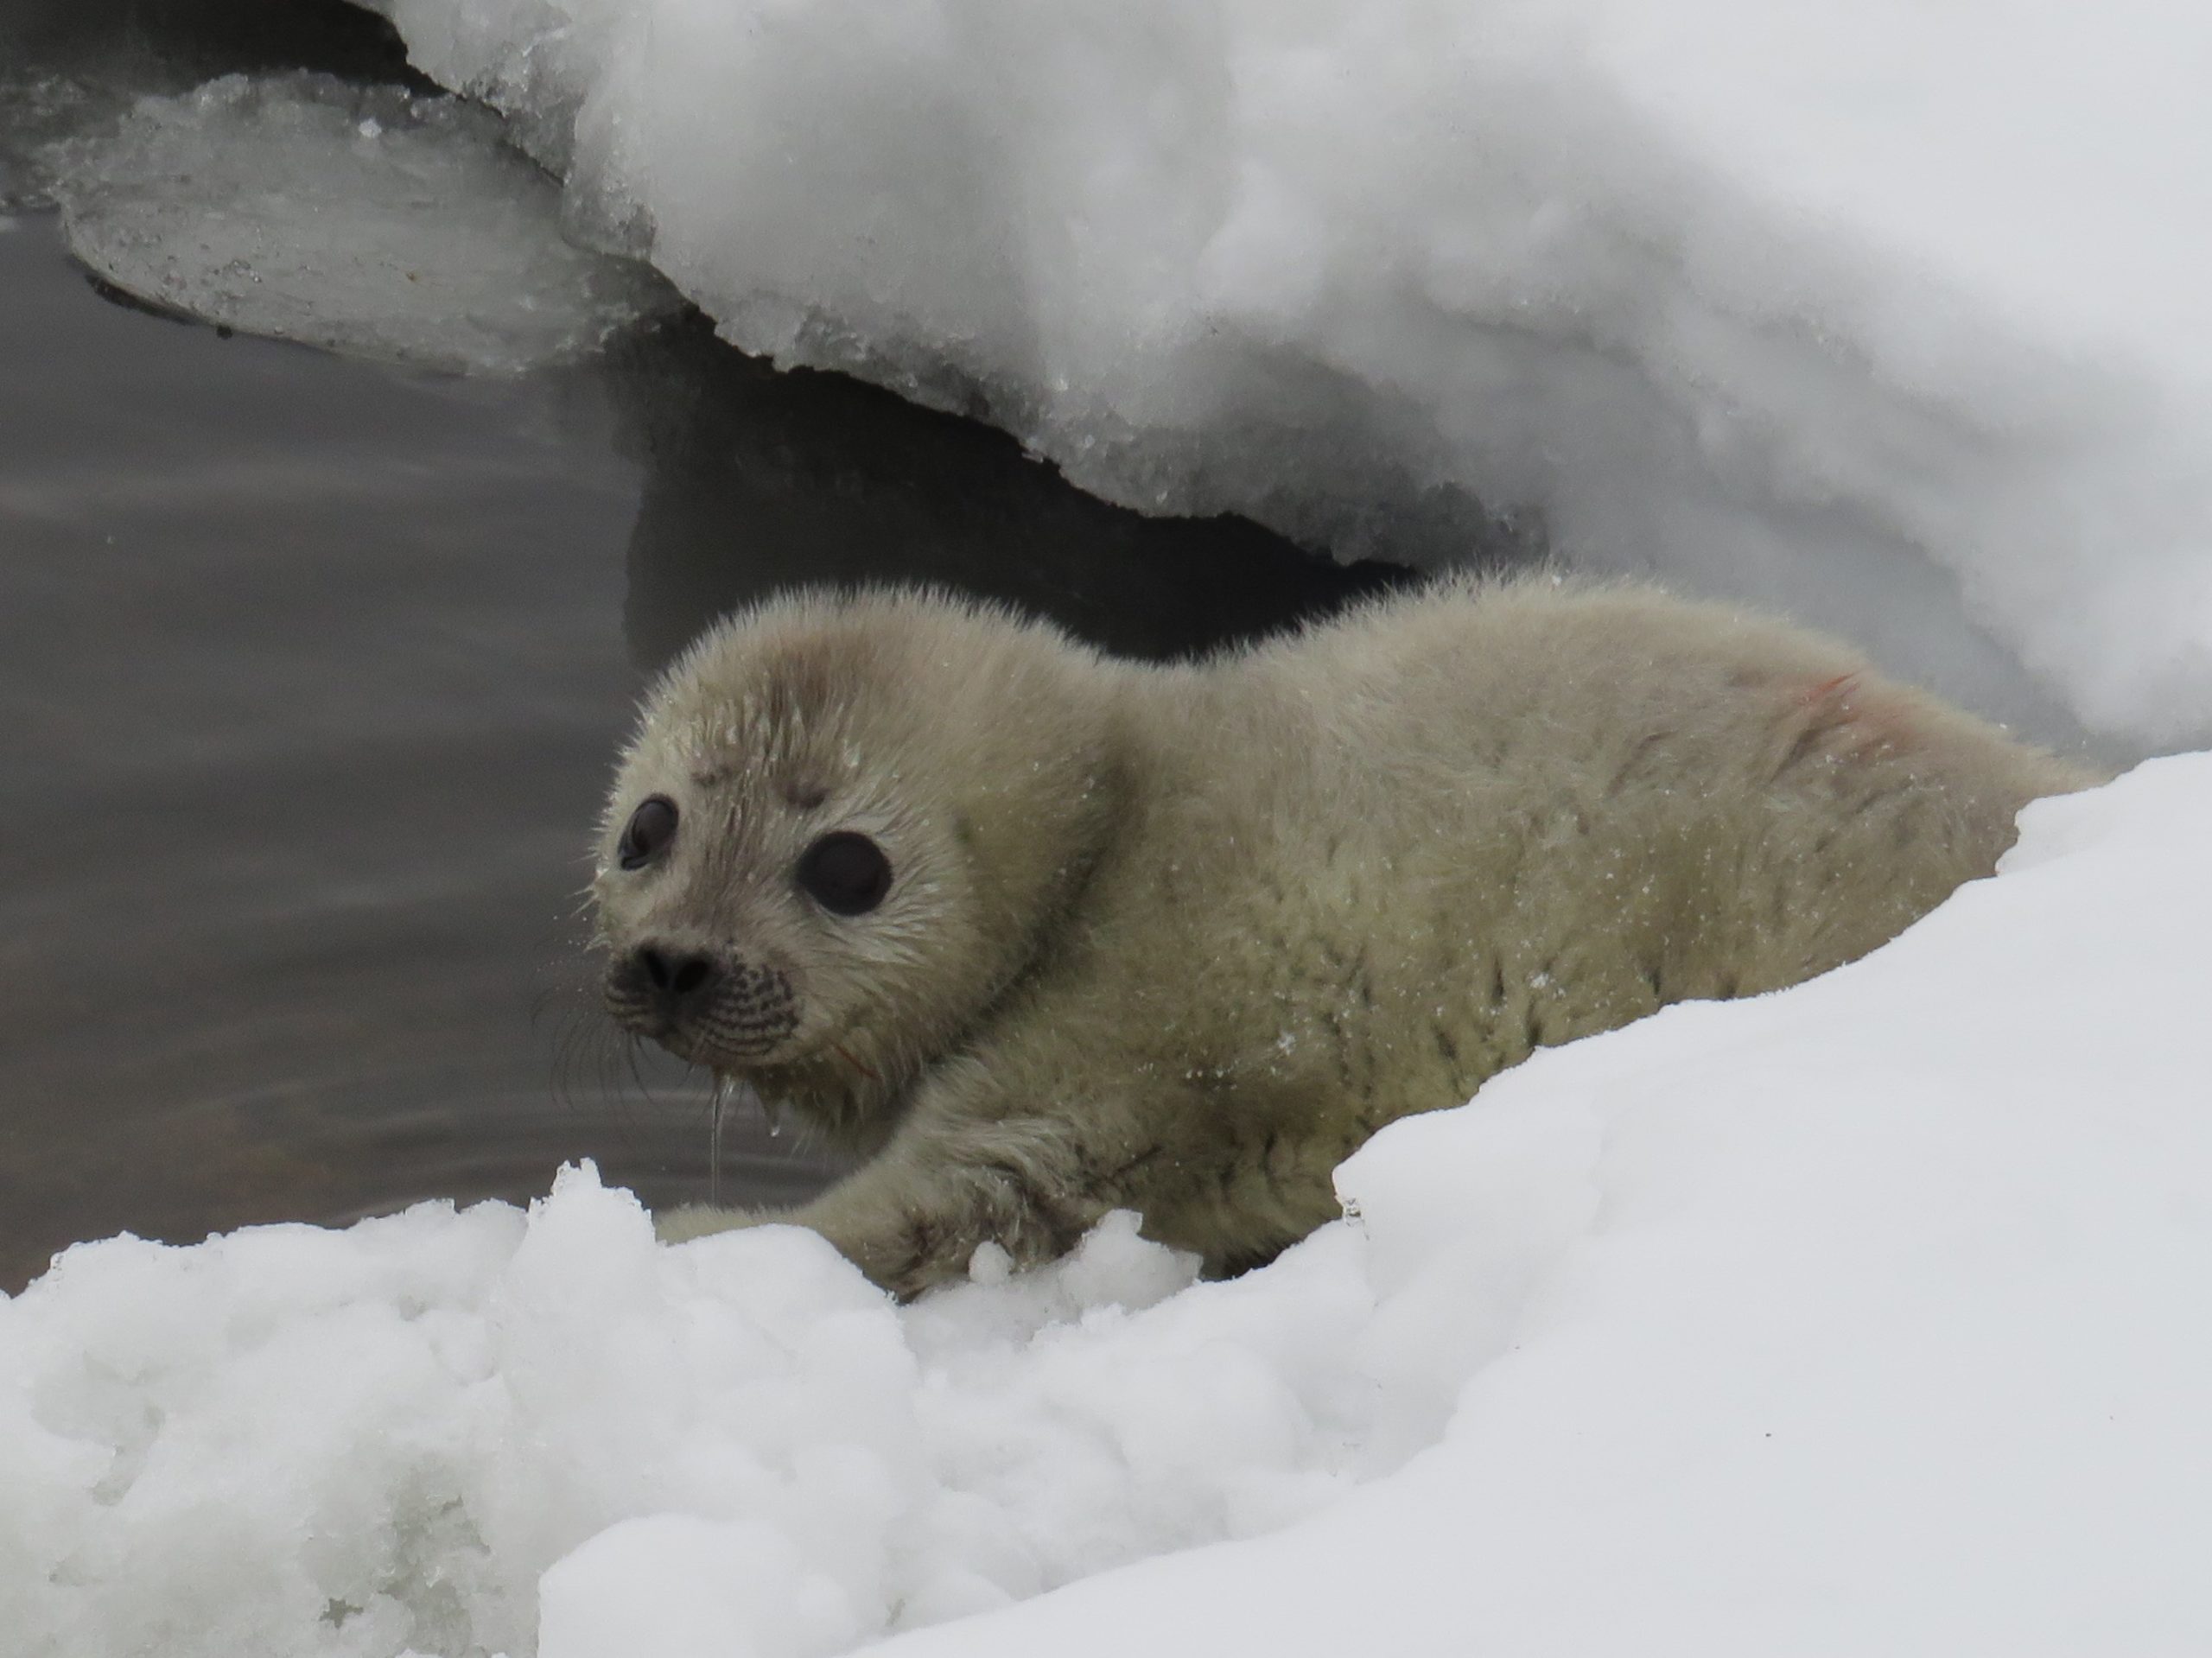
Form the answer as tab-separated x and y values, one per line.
1881	312
365	220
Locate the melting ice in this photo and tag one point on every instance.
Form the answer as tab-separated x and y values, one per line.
364	220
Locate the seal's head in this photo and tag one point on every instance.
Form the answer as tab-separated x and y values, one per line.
846	826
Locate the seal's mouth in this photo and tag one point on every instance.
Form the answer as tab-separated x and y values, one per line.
734	1053
707	1008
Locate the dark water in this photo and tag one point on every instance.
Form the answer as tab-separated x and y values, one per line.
311	673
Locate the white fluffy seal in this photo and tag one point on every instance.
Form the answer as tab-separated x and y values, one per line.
1048	934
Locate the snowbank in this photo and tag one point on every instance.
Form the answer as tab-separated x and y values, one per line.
1784	302
1887	1332
1867	1317
363	219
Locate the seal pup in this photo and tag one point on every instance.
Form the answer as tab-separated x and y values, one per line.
1046	934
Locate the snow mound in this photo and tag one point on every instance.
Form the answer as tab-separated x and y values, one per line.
1887	1332
296	1441
362	219
1863	308
1866	1317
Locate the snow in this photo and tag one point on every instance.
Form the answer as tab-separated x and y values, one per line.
1886	1333
1873	309
364	220
1864	1317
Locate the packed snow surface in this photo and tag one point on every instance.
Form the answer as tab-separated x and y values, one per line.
364	220
1874	309
1868	1316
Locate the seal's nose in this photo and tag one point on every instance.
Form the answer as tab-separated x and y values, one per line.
678	976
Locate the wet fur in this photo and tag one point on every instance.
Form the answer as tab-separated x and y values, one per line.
1179	939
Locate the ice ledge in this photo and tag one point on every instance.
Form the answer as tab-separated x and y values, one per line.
1865	310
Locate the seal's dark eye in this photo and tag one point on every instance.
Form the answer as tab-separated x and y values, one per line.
844	872
647	834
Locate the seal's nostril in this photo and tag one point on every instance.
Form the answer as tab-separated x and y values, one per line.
676	975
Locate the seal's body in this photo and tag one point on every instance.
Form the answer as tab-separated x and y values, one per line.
1050	935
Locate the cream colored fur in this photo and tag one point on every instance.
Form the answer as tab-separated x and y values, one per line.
1178	939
